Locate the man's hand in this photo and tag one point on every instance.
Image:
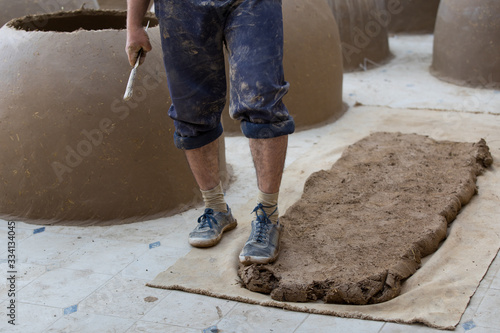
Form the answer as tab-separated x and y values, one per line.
137	39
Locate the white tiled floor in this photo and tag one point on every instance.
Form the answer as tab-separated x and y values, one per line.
92	279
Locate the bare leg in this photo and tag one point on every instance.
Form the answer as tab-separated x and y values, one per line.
217	218
269	160
262	246
204	164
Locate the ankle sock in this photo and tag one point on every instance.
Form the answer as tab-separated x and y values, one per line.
270	203
214	199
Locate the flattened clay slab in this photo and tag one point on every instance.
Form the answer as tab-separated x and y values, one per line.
361	228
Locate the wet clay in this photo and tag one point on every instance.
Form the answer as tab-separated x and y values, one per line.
467	43
113	4
363	32
12	9
410	16
71	150
312	63
361	228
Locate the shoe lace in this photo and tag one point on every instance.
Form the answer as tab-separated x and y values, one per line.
207	218
262	224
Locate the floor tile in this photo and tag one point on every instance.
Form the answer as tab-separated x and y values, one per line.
493	272
91	231
178	238
122	297
255	318
25	274
49	249
29	318
487	314
62	287
189	310
477	329
15	231
485	330
28	226
90	323
474	303
148	327
104	256
318	324
144	232
153	262
495	284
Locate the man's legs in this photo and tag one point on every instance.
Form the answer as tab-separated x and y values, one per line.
217	218
254	37
269	156
192	43
204	163
269	160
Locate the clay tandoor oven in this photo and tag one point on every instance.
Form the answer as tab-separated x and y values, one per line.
467	43
363	32
12	9
72	151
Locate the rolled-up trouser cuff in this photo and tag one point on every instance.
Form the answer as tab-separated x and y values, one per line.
267	131
187	143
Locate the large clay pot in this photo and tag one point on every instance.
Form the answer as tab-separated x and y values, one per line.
113	4
71	150
18	8
312	64
412	16
363	32
467	43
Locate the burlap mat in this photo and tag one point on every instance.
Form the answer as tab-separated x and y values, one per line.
438	293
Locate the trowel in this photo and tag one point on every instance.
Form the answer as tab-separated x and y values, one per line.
129	91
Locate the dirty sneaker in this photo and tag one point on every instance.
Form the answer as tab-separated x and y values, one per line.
262	247
211	226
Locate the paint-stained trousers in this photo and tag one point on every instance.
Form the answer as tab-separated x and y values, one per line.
194	33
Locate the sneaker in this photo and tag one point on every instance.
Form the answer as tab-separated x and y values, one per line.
262	247
211	226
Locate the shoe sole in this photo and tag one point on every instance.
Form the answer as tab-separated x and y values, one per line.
248	260
198	242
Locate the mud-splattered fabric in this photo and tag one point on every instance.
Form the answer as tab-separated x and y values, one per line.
193	36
